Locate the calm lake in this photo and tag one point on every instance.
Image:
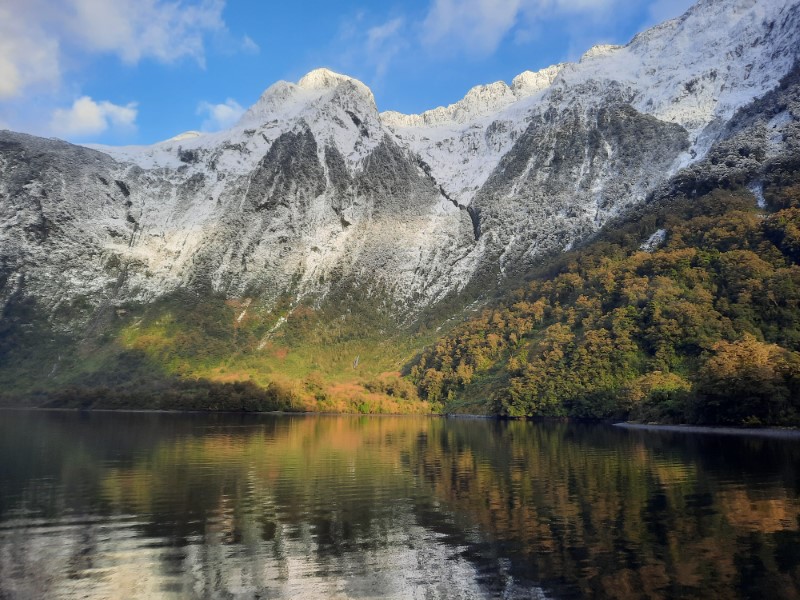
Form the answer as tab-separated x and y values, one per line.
137	505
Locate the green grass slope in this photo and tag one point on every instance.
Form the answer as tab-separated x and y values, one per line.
196	350
703	327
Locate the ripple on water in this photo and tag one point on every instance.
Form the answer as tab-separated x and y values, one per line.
337	507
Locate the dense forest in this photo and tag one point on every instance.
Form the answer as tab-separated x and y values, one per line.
688	310
687	313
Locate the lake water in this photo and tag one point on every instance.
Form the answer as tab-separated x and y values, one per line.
136	505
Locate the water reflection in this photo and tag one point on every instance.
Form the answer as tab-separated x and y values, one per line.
148	505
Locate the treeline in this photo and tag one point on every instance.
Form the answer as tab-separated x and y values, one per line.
177	394
703	326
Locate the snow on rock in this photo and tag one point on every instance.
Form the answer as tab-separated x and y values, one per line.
480	100
695	71
757	189
655	241
325	79
528	83
314	188
600	50
186	135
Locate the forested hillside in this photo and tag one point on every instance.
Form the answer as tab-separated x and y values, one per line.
689	312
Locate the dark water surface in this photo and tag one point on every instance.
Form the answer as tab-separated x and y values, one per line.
130	505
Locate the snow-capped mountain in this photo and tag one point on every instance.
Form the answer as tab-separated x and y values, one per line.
314	188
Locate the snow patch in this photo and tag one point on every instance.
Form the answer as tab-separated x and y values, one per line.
325	79
757	189
246	305
528	83
598	51
186	135
655	241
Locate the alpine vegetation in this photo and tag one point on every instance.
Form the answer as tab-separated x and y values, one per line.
302	258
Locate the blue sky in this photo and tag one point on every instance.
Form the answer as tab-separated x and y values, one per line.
140	71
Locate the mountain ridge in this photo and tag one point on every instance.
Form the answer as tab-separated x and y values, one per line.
316	200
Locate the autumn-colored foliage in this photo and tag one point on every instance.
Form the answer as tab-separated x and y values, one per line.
705	328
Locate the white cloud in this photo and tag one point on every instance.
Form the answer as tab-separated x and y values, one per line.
384	42
575	5
39	39
45	44
220	116
28	56
135	29
87	117
477	27
248	46
366	46
663	10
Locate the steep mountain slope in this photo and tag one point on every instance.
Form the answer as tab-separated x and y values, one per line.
581	142
696	322
685	309
316	199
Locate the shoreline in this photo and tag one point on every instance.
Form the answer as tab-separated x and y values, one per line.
767	432
770	432
177	411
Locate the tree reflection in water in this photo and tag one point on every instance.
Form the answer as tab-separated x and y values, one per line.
161	505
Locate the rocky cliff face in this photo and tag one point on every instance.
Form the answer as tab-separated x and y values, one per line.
315	189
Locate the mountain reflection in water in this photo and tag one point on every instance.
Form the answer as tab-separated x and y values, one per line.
139	505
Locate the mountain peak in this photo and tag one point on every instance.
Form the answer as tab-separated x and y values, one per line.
324	79
599	50
186	135
479	101
528	83
284	99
